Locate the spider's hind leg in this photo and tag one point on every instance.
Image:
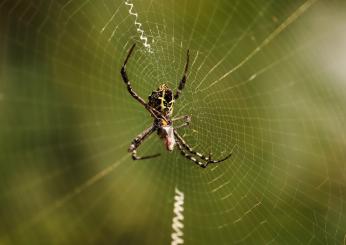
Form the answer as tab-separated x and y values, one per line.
190	157
183	147
189	148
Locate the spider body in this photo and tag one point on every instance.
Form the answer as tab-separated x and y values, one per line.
160	105
162	100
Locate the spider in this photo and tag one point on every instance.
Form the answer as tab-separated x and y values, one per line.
160	106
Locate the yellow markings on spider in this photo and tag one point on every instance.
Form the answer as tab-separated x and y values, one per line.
160	105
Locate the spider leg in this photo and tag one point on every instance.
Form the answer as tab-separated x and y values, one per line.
138	141
126	79
185	124
189	148
186	118
190	157
183	80
132	92
208	158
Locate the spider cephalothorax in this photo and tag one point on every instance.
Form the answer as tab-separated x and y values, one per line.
160	106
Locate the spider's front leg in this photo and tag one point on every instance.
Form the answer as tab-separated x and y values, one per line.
126	79
130	89
183	80
139	140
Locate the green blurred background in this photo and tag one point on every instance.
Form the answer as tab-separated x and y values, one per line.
267	80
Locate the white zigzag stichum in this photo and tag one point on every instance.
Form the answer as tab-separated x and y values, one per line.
177	222
139	26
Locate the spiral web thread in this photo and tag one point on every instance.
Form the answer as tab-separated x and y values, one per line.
256	85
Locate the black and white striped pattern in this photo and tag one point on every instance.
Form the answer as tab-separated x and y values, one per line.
184	147
138	141
183	80
190	157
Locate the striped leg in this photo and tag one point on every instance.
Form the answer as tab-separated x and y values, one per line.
188	148
183	80
138	141
130	89
200	155
190	157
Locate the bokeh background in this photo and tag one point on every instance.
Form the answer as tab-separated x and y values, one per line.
267	81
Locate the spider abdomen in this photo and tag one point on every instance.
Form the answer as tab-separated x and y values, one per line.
162	100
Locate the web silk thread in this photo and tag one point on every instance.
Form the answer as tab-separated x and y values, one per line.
177	222
139	27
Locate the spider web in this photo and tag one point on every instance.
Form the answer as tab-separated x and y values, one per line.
266	81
